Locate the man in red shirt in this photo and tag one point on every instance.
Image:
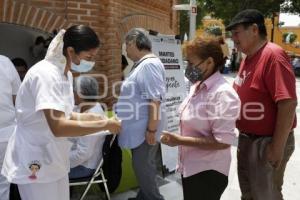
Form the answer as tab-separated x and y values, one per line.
266	86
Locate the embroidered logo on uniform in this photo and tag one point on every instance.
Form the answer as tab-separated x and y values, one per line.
34	167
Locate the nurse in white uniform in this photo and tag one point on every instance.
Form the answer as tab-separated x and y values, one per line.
37	157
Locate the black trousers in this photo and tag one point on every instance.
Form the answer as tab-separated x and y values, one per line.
206	185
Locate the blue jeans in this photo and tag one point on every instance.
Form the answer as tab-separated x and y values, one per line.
80	172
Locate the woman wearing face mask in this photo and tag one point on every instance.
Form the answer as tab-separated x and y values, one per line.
207	123
44	107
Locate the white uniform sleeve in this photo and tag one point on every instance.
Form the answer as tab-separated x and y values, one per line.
13	76
48	91
15	81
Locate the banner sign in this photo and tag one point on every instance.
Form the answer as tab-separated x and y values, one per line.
168	49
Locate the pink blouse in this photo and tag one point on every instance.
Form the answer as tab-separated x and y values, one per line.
211	111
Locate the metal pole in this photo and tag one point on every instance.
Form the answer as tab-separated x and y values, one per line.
273	26
193	14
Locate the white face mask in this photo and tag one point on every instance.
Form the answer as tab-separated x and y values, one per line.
84	66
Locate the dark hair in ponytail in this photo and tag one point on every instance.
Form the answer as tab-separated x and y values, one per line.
81	38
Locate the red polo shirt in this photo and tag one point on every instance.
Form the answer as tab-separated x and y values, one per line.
264	79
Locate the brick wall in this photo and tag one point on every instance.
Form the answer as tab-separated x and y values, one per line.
111	19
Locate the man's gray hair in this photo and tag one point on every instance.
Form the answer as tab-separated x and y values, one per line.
140	38
86	87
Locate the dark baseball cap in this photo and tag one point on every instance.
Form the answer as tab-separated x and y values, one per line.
246	16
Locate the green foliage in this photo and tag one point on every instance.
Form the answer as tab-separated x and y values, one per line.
292	6
226	10
214	30
292	37
280	24
228	34
284	35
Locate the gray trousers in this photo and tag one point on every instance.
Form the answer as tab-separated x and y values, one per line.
258	179
144	165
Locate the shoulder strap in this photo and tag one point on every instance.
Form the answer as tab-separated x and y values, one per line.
140	61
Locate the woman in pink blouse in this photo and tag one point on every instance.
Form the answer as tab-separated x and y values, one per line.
207	123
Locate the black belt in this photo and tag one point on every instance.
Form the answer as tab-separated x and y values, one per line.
255	136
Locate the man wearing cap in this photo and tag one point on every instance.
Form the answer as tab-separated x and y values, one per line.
266	86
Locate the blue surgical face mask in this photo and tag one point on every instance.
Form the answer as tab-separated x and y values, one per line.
84	66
